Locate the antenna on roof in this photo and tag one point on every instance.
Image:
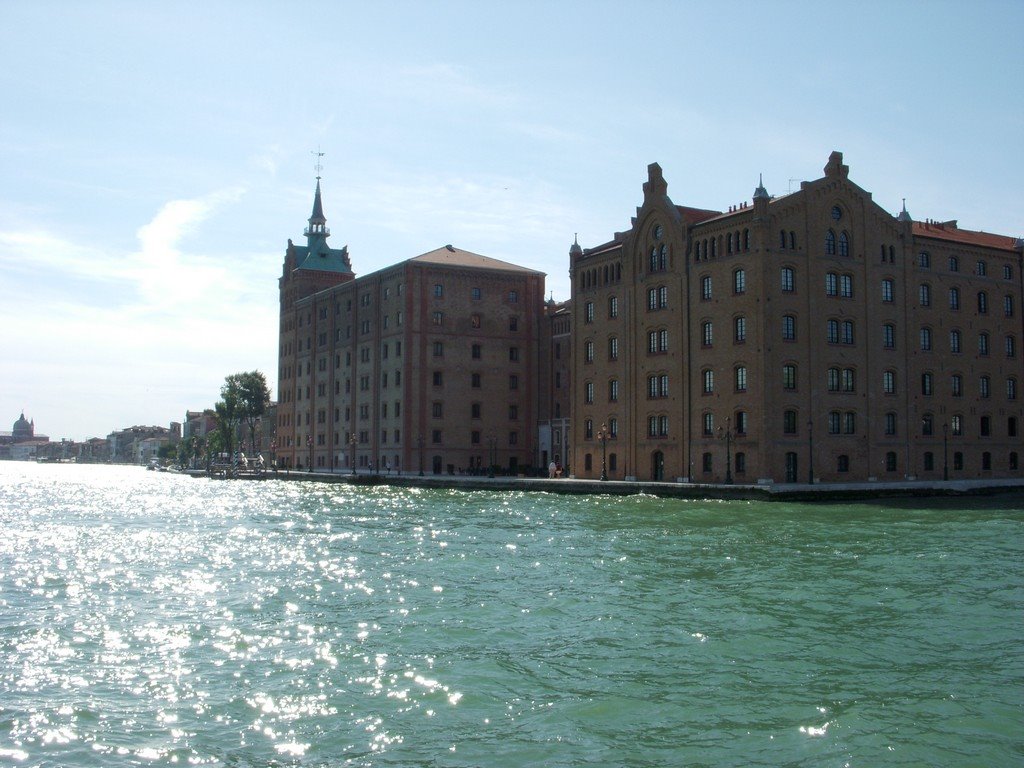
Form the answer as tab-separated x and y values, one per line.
319	166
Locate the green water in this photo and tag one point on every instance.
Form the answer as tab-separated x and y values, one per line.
149	619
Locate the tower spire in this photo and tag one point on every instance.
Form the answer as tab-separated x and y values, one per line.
317	228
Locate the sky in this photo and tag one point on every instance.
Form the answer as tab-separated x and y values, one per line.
155	158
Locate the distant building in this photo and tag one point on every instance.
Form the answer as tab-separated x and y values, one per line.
810	336
22	442
430	364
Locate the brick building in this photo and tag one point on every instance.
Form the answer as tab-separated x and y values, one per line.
810	335
431	364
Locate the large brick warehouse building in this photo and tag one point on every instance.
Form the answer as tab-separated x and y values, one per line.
810	336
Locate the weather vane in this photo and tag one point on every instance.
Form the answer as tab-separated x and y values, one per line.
319	166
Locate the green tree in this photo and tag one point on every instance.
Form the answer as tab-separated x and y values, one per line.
253	399
229	413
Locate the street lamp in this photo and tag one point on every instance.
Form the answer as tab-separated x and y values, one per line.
602	435
945	451
309	442
273	454
728	449
352	446
419	443
810	452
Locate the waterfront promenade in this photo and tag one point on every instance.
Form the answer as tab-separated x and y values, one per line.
577	486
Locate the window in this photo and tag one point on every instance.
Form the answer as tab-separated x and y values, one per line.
1013	460
787	279
984	386
475	351
437	410
958	460
588	352
706	462
789	376
954	264
1010	346
740	378
513	381
1007	272
890	461
846	286
741	462
924	294
844	244
513	413
513	297
889	336
834	421
1011	388
1008	306
956	385
709	423
850	423
740	329
613	391
985	426
588	312
789	422
954	298
842	463
741	422
956	425
474	380
832	380
1011	426
982	343
982	303
924	260
889	382
890	423
847	332
739	281
613	348
474	411
475	294
981	269
709	381
929	461
438	378
439	318
588	392
613	306
705	287
849	380
831	284
438	290
707	333
887	286
954	341
926	339
588	429
788	327
830	243
927	424
832	331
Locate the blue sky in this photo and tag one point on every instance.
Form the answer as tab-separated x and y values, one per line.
156	157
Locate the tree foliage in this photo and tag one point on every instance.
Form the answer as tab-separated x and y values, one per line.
244	399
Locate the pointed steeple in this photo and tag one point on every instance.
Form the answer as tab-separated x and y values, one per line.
760	192
317	229
904	216
575	249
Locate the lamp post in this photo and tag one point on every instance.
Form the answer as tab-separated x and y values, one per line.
419	443
602	435
309	442
945	451
728	449
195	451
810	452
352	447
273	454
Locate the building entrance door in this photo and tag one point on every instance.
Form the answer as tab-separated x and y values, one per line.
657	466
791	467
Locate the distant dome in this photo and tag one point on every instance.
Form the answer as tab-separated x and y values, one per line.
23	429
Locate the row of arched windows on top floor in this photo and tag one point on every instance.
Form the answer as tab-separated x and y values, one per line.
733	242
604	275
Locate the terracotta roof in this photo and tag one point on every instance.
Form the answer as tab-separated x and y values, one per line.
451	256
697	215
949	231
609	246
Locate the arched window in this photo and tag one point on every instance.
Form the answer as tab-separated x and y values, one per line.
844	244
830	243
782	238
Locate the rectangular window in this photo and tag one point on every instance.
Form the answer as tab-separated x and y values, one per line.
787	280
